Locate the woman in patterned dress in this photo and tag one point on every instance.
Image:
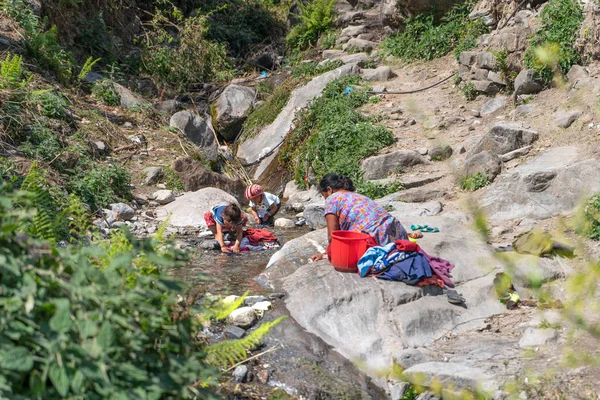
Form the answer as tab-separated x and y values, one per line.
350	211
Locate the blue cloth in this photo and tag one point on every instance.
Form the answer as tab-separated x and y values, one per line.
410	270
372	256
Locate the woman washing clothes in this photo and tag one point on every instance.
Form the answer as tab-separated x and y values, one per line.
350	211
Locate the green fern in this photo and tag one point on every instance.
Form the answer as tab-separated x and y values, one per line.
87	67
79	219
221	310
233	351
11	72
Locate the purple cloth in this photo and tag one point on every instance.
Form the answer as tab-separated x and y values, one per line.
440	267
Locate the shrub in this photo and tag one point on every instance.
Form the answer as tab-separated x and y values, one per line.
468	90
474	182
504	69
425	39
172	180
328	129
591	221
185	58
328	40
49	104
70	329
316	17
552	48
46	49
102	185
42	144
104	90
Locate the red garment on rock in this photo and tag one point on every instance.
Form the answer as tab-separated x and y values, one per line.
255	236
434	281
407	246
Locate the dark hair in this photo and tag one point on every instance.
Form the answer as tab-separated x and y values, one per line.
233	213
336	182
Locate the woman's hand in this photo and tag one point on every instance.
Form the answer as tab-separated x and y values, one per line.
257	220
236	248
226	249
318	257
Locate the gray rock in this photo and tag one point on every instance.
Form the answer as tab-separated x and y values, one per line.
129	99
353	30
291	188
252	149
234	332
198	131
485	162
553	183
240	373
359	44
467	58
168	106
461	376
414	195
411	357
486	60
100	147
427	395
523	110
266	60
440	153
243	317
497	78
92	77
505	137
407	210
252	300
382	166
332	54
493	105
533	338
383	73
163	196
314	214
409	182
189	209
232	108
578	76
379	89
356	316
527	82
398	390
530	271
298	201
153	175
122	211
515	153
486	87
480	74
360	59
565	119
284	223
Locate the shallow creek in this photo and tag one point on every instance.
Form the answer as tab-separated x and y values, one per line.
302	363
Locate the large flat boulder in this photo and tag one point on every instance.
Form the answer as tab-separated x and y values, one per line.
551	184
370	321
505	137
189	209
268	139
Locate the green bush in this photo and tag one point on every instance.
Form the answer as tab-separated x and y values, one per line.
104	90
49	104
186	58
46	49
552	48
69	329
328	40
591	222
326	132
42	144
102	185
468	91
316	18
172	180
474	182
425	39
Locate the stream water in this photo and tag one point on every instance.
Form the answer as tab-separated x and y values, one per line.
302	364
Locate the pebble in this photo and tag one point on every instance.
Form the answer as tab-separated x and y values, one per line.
234	332
262	306
251	300
263	376
240	372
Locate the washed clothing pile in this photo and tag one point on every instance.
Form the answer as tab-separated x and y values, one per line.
406	262
256	240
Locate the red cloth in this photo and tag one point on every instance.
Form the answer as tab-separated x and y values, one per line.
434	280
407	246
255	236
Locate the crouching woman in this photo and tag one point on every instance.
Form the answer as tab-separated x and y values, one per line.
350	211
